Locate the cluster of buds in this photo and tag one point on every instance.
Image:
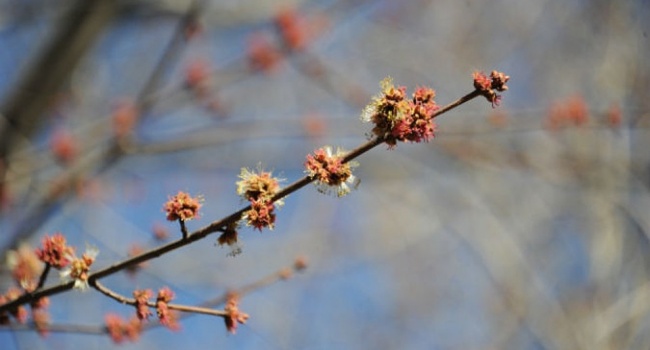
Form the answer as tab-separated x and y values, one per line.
330	173
397	118
182	207
166	317
234	315
25	266
141	297
121	330
55	252
571	112
262	54
78	268
259	188
489	86
292	29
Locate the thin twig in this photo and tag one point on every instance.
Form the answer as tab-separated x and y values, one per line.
41	280
178	307
183	228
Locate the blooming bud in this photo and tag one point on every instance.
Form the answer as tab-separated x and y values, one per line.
329	171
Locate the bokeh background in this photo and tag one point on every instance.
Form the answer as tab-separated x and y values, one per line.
520	227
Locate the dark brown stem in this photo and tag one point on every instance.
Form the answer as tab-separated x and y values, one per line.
183	228
41	280
472	95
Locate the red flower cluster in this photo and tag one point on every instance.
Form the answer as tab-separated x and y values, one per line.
121	330
261	214
55	252
182	207
25	266
262	54
329	171
234	315
292	29
572	111
166	317
487	85
399	119
79	268
141	299
259	188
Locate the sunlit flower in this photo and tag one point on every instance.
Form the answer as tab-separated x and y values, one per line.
330	173
79	267
398	119
25	266
166	317
488	86
258	184
234	316
261	214
54	251
182	207
141	299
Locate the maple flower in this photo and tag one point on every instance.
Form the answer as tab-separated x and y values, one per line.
262	54
386	109
255	185
487	85
79	267
261	214
141	299
182	207
417	124
399	119
120	330
25	266
258	187
331	175
40	316
54	251
165	316
234	315
115	327
41	320
292	29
